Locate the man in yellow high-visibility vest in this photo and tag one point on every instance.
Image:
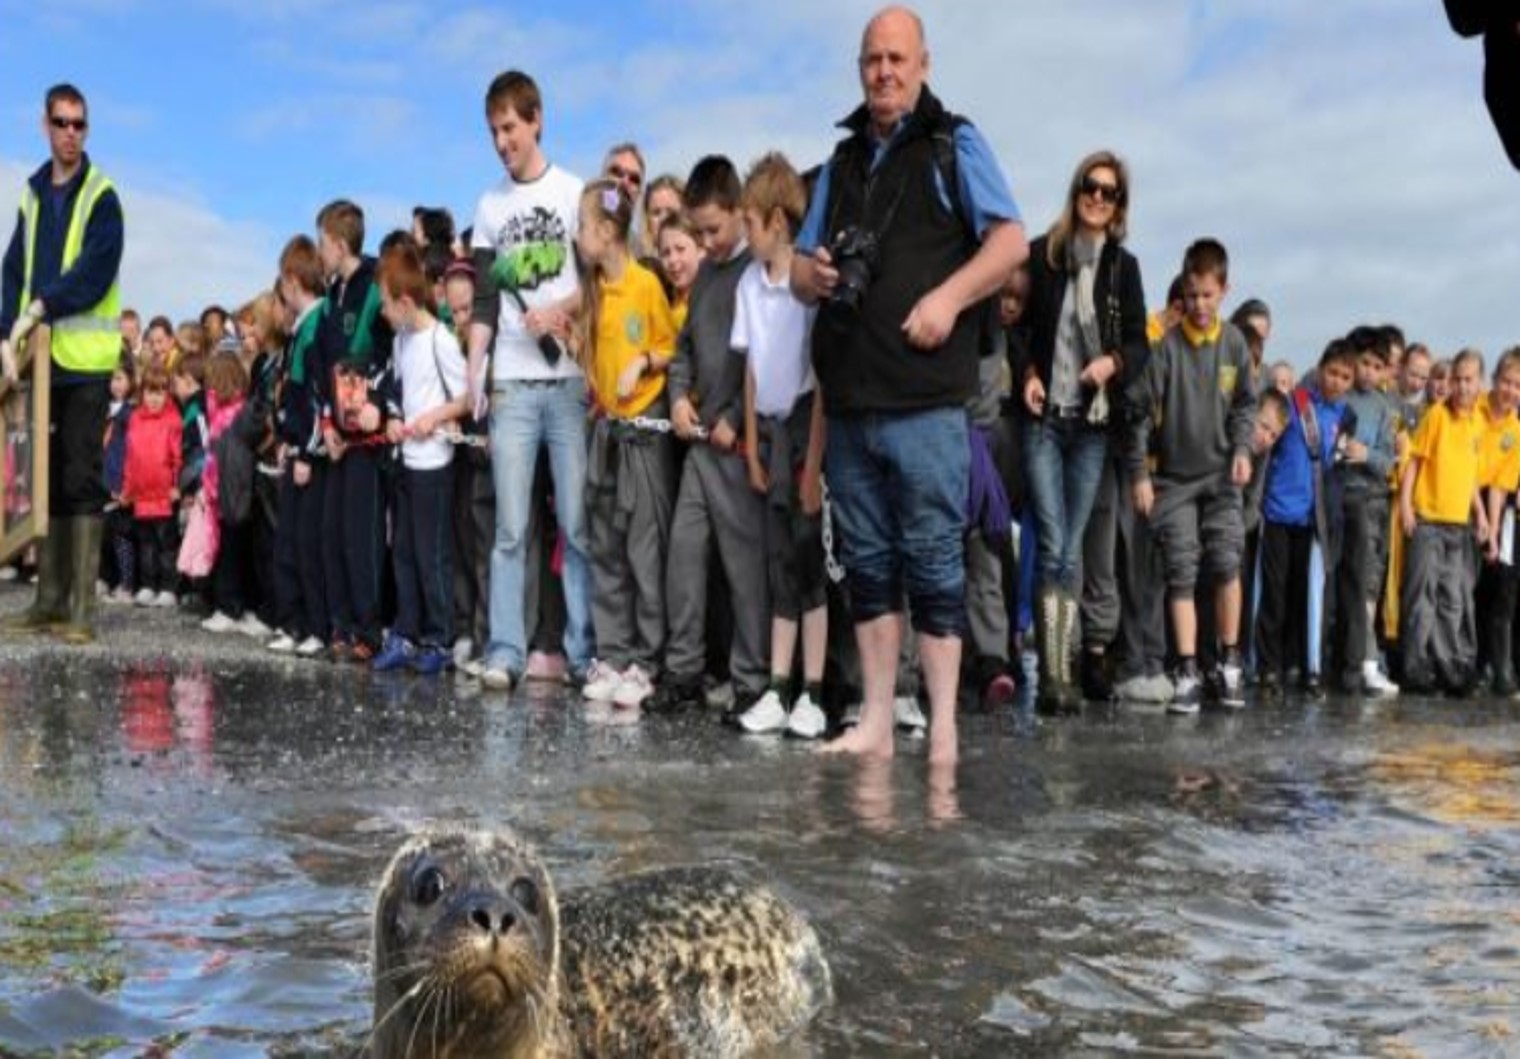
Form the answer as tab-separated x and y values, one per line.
61	270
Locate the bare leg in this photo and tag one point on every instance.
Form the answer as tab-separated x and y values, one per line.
1185	623
941	657
878	641
1227	612
815	644
783	647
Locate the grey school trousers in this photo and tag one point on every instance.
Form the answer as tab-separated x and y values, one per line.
716	506
630	492
1439	634
1123	605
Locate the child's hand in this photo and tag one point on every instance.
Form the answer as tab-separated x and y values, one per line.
1356	452
1099	372
1406	515
1240	470
395	431
300	473
683	417
810	492
628	380
759	481
369	419
1144	497
722	437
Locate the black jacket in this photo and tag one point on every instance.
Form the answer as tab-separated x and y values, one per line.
1042	318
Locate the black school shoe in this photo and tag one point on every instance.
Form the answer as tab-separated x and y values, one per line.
677	695
1094	676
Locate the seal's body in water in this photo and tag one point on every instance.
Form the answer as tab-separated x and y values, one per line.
476	956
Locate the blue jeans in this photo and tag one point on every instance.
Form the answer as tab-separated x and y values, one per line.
898	485
525	415
1063	460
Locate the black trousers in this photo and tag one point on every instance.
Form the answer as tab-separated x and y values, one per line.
1282	622
156	553
353	541
76	462
300	588
423	557
1359	579
232	576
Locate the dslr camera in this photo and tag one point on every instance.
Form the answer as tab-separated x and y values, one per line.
853	251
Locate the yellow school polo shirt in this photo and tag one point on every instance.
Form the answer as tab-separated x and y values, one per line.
1448	445
1499	458
633	319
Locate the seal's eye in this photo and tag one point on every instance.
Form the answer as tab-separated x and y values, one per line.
428	885
526	895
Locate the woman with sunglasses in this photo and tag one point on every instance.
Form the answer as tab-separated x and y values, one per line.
1086	322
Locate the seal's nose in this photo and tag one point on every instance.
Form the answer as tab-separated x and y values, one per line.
492	916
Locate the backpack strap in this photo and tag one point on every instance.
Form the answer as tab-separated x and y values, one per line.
1308	420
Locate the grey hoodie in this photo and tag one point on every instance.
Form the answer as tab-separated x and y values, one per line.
1199	402
1376	416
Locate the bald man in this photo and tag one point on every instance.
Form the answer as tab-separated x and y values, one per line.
911	229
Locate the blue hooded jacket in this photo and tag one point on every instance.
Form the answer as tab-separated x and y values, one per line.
1289	497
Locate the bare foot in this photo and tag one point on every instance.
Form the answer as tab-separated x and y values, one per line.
944	806
874	742
943	749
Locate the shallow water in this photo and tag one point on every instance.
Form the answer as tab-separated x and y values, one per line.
187	857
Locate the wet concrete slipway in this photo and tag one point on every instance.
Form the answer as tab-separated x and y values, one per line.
190	833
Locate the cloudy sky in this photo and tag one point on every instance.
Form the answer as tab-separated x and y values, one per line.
1341	150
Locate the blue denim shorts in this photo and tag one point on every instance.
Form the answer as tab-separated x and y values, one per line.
898	485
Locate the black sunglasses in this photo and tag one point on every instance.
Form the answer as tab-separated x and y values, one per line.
633	176
77	124
1096	189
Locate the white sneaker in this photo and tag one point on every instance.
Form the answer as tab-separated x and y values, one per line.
634	688
497	677
251	627
473	668
1232	687
145	597
909	717
767	715
282	644
165	599
807	720
310	647
1375	685
464	648
1187	695
102	590
121	595
602	682
219	623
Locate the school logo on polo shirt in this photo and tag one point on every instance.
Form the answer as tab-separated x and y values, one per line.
633	328
1229	378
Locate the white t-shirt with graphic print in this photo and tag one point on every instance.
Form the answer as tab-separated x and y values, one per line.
531	228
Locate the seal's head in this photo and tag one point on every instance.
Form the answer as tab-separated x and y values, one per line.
467	948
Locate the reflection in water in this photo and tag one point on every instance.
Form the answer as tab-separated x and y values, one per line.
188	857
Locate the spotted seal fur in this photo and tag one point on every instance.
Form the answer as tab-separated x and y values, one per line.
475	955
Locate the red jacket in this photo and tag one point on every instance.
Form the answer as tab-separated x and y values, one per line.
153	461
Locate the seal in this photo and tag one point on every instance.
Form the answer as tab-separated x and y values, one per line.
475	955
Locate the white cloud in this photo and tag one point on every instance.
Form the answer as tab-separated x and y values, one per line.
181	255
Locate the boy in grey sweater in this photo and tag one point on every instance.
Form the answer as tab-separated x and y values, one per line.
715	504
1365	505
1197	398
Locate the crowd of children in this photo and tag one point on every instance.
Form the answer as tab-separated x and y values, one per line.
311	470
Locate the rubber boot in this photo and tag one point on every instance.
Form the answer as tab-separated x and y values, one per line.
51	604
1047	633
84	564
1070	690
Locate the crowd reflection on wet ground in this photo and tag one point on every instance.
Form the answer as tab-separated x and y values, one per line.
187	855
